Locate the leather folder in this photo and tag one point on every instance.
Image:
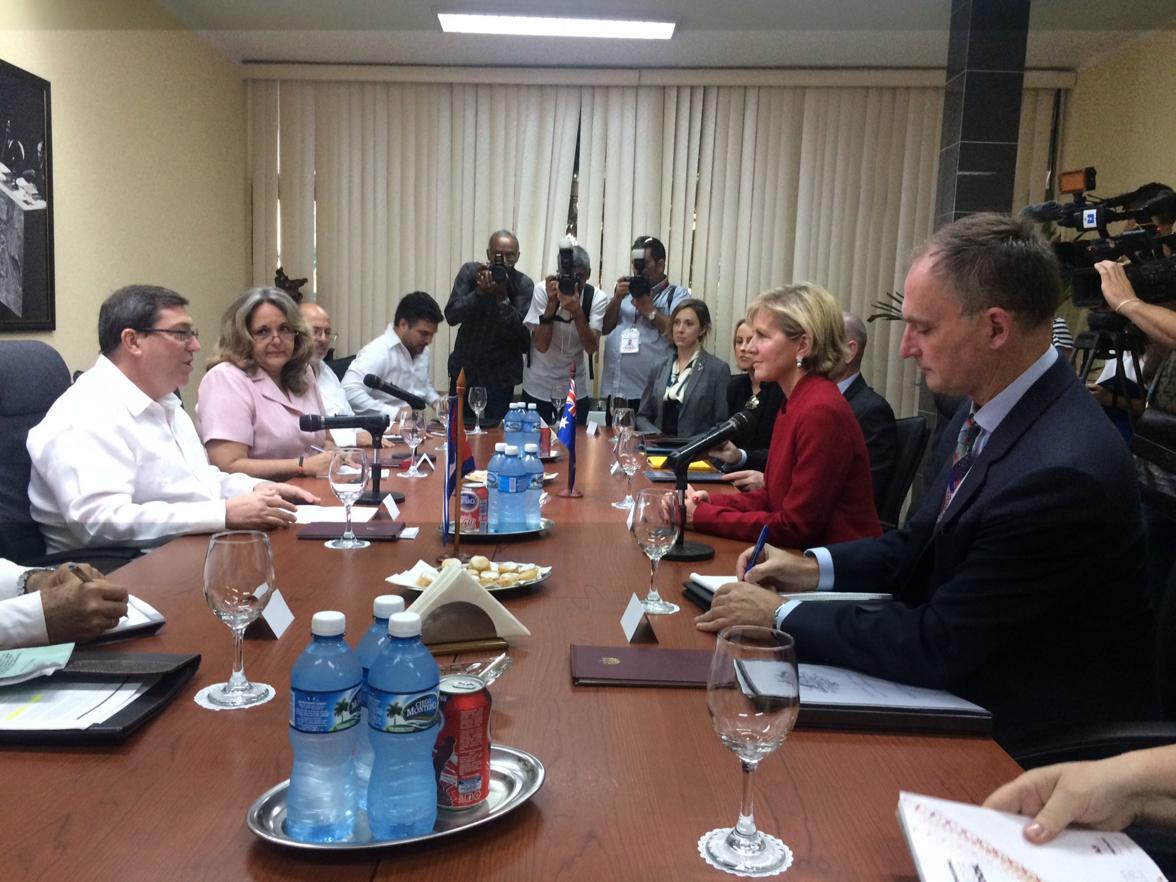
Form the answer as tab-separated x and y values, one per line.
665	476
173	669
688	668
375	530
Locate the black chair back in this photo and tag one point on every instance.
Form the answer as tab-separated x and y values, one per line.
340	365
32	376
912	442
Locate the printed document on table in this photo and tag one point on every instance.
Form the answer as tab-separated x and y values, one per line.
839	687
714	583
953	841
19	665
333	514
61	703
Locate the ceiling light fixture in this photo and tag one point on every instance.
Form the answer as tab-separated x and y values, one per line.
554	26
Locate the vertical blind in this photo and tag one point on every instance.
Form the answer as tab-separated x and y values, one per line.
375	189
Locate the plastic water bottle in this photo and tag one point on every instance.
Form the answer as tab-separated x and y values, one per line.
512	424
531	426
382	607
404	720
512	491
493	502
533	468
325	687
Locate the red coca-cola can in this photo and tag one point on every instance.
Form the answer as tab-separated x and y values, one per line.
461	756
544	441
474	504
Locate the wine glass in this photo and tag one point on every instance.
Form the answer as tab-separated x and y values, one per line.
238	581
412	431
441	406
629	462
477	399
753	696
348	474
655	524
559	397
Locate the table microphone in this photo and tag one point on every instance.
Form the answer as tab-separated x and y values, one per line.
679	461
684	455
413	401
372	423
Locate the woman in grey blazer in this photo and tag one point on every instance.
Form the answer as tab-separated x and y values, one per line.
687	394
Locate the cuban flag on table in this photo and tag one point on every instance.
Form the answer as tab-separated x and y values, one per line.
457	456
566	431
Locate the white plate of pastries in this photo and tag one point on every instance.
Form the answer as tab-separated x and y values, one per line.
491	575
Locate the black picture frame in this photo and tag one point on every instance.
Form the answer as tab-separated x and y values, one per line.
27	300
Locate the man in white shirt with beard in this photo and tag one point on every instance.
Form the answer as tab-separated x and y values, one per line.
117	461
400	356
331	389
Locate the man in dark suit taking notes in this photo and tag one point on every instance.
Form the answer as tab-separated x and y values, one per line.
1019	581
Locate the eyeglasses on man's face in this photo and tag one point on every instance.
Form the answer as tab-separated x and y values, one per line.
183	335
324	334
262	335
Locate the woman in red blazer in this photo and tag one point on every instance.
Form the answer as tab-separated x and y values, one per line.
817	486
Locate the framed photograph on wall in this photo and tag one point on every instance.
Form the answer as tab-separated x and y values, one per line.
26	203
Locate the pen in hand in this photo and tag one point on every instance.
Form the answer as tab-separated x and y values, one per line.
758	550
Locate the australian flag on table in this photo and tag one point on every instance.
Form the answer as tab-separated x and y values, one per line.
566	431
459	462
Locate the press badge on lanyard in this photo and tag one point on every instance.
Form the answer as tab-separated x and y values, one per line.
630	340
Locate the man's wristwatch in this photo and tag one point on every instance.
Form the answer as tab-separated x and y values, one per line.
546	319
22	581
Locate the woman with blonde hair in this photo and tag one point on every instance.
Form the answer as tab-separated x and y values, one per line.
258	385
817	486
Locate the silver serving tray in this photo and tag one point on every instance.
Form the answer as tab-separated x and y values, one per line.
545	524
515	776
551	457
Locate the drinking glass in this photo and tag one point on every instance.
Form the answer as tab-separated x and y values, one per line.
477	399
441	406
348	474
655	524
629	462
238	581
412	431
753	696
559	397
623	420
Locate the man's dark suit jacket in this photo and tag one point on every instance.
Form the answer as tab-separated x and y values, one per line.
1029	597
876	418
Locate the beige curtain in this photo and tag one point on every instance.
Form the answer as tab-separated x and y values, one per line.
384	188
387	187
752	187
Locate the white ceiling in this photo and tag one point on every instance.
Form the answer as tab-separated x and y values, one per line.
1064	34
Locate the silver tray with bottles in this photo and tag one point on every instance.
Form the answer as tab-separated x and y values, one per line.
515	776
545	524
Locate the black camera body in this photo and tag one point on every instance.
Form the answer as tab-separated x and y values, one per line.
499	270
566	278
638	284
1151	272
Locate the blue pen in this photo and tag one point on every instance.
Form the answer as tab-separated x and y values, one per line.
759	548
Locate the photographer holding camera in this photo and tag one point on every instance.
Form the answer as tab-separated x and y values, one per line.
565	320
489	301
637	321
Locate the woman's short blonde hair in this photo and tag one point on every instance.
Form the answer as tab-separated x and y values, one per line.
236	342
807	308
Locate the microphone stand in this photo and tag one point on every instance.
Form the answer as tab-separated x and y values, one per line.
683	550
376	426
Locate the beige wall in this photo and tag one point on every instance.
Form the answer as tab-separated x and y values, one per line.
148	160
1122	116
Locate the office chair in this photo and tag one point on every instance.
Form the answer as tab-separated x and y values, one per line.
912	442
32	377
340	365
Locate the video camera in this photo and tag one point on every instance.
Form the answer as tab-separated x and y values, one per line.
566	277
638	284
1151	272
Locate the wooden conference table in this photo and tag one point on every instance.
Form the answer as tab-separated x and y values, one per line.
634	775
